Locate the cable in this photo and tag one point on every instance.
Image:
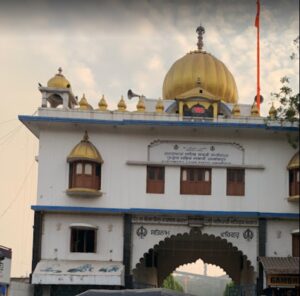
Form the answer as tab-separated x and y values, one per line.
18	191
2	122
10	134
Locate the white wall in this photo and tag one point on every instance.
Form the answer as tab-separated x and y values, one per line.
124	186
279	237
56	237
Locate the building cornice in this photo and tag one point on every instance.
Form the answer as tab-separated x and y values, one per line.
94	210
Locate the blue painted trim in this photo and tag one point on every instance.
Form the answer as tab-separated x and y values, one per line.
26	118
163	211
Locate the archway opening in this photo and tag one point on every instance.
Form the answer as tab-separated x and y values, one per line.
198	278
174	251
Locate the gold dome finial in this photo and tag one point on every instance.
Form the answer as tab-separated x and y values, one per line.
272	111
236	111
122	105
85	137
159	106
254	110
83	104
200	30
102	104
59	71
140	107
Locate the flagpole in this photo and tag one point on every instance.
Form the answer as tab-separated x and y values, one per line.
257	24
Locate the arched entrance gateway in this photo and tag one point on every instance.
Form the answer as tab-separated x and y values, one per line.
163	258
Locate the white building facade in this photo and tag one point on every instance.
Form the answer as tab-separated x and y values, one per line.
126	197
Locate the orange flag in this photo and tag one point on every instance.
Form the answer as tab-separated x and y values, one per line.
257	14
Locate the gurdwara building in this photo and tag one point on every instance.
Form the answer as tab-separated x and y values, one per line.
125	197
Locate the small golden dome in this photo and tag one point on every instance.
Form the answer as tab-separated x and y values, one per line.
140	107
272	111
84	105
294	162
85	150
59	81
122	105
254	110
102	104
159	106
236	111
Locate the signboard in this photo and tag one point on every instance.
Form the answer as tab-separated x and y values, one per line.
200	153
5	271
194	221
280	280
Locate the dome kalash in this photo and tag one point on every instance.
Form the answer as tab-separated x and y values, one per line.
200	83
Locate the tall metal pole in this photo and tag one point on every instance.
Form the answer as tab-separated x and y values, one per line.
257	25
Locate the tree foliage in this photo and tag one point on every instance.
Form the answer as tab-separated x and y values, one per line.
286	97
228	289
172	284
289	101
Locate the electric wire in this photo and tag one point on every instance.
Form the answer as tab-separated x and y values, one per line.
6	121
10	134
18	191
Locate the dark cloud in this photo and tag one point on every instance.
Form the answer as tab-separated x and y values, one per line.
119	16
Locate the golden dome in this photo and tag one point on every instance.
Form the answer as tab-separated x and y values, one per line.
85	150
84	105
140	107
294	162
159	106
122	105
236	111
254	110
272	111
200	69
102	104
59	81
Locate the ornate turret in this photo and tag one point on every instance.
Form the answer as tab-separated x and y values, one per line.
140	107
58	92
83	104
102	104
159	106
272	111
236	111
122	105
254	110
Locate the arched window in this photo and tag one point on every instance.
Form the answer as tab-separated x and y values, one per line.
85	169
294	177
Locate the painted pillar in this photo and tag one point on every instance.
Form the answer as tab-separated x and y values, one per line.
127	249
262	238
37	247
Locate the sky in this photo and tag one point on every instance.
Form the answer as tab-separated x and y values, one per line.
108	47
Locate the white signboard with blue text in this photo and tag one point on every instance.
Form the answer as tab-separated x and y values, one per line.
200	153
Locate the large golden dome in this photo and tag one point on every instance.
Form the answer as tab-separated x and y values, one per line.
199	69
59	81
